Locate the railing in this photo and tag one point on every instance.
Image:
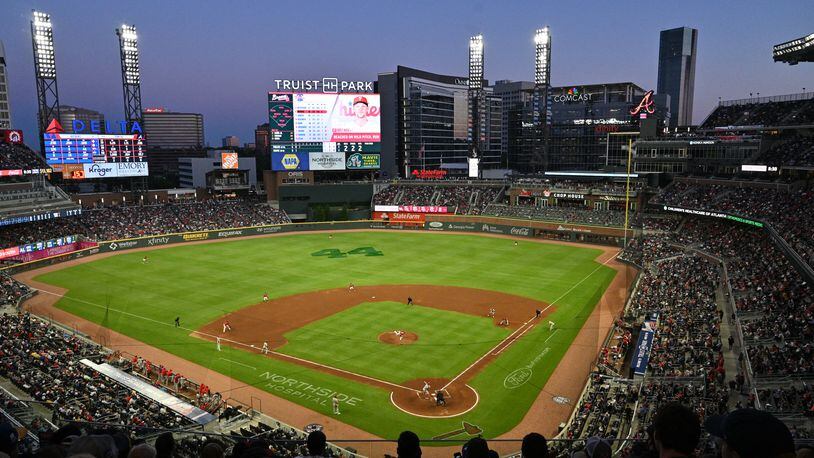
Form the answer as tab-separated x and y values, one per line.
773	98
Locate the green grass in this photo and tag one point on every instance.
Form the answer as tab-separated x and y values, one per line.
448	341
202	282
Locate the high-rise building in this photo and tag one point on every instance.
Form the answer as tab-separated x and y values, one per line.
261	138
677	51
68	114
171	136
517	128
171	130
231	141
5	107
425	122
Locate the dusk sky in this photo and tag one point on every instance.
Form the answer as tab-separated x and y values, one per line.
220	58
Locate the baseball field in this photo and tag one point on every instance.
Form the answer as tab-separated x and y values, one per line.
364	346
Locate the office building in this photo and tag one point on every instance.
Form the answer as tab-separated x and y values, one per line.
171	130
5	104
230	142
68	114
212	172
677	52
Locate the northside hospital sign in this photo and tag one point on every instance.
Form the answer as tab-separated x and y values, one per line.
325	85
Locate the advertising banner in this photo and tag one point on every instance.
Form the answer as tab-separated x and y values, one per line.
361	161
399	217
14	137
337	117
410	208
47	252
228	161
114	170
287	162
326	161
642	355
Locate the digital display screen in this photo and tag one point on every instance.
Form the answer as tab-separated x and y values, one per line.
96	155
316	122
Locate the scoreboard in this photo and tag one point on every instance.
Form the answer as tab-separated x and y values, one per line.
76	154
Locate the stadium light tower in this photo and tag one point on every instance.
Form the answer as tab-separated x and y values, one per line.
131	74
45	70
475	93
542	80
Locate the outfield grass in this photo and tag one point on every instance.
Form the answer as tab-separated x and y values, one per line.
201	282
448	341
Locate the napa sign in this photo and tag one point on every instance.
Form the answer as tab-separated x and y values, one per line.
105	127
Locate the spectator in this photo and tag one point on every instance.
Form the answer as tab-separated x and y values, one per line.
164	445
8	440
475	448
750	433
142	451
212	450
409	446
316	444
676	431
534	446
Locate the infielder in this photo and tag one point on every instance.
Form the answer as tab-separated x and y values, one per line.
335	404
409	300
226	327
351	287
265	297
265	348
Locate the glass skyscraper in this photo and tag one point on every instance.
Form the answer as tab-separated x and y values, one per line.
677	72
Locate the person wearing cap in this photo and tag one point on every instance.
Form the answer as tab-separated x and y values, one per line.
360	110
750	433
595	447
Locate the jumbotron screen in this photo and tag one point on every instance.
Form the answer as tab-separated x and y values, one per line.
316	118
80	156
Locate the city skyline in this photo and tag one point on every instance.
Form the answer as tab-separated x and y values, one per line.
225	76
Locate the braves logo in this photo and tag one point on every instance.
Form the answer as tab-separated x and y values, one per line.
647	104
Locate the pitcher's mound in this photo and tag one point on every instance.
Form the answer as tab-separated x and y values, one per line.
390	337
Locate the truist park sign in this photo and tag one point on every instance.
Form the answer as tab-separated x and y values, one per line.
325	85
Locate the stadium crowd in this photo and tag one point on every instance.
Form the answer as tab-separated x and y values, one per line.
788	113
571	215
11	291
13	157
795	152
111	223
790	212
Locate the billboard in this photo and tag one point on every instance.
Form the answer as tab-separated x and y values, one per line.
14	137
228	160
360	161
326	161
337	117
288	162
107	151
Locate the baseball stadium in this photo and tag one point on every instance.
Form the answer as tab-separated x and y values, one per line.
416	264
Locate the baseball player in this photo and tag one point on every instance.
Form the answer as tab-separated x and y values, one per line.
491	313
401	336
409	300
265	297
144	260
335	404
351	287
177	321
265	348
217	342
426	389
537	313
515	243
504	322
550	325
226	327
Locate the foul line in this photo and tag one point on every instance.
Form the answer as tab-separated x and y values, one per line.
239	363
223	339
532	318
